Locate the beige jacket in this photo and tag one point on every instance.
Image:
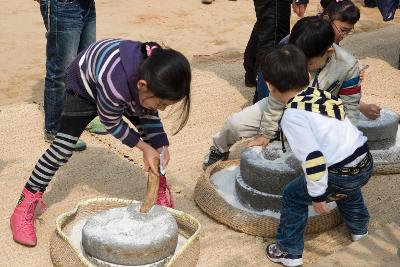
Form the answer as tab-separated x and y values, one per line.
340	76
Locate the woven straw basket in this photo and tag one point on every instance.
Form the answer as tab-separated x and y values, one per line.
64	253
387	168
208	199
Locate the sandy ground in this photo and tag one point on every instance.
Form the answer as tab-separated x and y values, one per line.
218	33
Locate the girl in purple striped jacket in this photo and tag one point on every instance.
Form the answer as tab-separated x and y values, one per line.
112	79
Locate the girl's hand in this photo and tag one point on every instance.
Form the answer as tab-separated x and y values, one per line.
151	158
371	111
166	156
259	141
321	207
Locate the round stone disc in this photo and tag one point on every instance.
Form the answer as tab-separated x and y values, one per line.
269	170
127	237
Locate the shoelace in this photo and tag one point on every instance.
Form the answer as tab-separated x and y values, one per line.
161	197
30	212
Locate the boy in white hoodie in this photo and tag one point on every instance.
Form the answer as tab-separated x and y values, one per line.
334	154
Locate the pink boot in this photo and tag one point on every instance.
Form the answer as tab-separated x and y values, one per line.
22	221
162	199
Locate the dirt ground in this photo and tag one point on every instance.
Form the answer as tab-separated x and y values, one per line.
213	37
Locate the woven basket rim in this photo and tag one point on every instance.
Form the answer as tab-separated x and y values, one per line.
252	222
66	215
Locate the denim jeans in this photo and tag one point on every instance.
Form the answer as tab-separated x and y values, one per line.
262	90
273	24
71	27
294	215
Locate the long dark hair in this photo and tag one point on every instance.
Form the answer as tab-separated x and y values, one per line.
344	10
313	35
168	76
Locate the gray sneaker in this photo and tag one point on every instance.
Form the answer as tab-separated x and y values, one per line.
274	254
213	156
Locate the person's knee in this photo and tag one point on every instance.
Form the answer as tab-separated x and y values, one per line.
233	124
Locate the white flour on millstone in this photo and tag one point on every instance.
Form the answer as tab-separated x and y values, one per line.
273	155
75	236
224	181
130	228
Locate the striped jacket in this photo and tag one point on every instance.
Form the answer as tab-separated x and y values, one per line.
340	77
106	73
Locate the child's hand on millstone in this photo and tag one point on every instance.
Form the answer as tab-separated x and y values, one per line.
259	141
321	207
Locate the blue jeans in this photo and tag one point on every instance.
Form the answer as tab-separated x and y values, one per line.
262	90
71	27
294	215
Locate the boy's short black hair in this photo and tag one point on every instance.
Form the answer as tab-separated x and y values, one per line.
313	35
286	68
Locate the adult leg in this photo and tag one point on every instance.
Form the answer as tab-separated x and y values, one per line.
273	24
88	35
63	37
249	59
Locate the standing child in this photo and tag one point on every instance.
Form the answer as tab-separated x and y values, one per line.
113	79
334	154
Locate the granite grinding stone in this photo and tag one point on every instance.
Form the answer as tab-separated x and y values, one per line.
127	237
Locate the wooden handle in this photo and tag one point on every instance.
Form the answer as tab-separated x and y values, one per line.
153	182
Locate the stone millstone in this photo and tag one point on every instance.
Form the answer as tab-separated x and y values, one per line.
255	199
381	133
269	170
127	237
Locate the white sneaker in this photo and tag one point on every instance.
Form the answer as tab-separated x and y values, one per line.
358	237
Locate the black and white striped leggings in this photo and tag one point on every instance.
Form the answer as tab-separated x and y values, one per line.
77	113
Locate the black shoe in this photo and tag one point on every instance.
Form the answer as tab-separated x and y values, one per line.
213	156
274	254
250	80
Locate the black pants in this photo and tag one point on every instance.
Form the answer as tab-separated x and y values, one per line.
273	23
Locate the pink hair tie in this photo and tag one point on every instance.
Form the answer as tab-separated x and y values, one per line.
149	49
338	1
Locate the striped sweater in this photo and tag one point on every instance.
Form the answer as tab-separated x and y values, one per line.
106	73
